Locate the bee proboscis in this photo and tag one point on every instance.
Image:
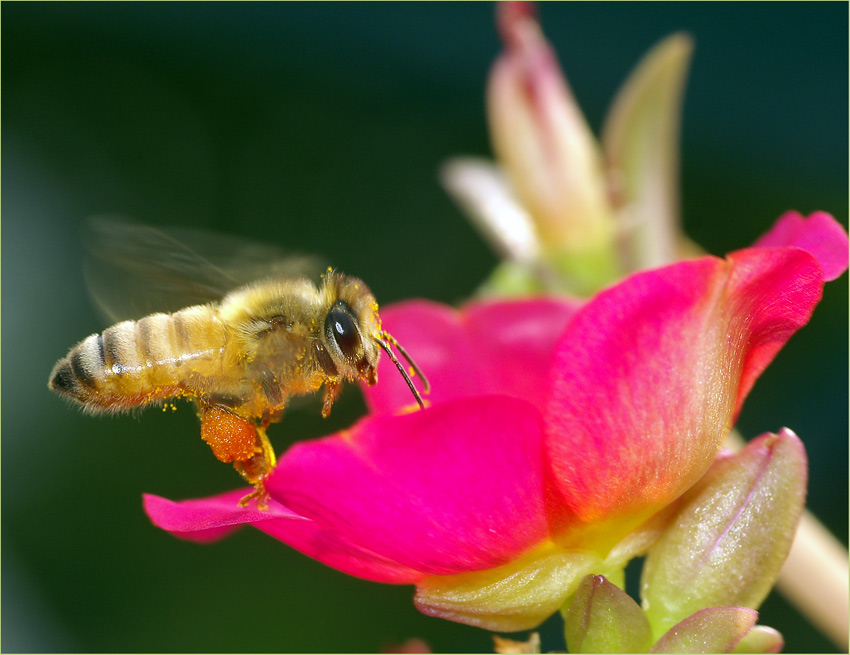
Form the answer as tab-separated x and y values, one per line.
240	359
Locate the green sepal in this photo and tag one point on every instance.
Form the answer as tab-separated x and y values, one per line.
602	618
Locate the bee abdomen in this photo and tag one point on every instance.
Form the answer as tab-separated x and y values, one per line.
131	363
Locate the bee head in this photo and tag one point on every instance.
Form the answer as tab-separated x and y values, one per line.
353	337
347	334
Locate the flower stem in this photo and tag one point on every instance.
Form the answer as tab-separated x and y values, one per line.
815	579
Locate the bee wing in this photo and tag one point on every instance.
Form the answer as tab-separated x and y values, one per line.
133	269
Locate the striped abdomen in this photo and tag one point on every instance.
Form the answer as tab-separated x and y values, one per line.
137	362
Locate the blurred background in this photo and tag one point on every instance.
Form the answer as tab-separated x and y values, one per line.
321	127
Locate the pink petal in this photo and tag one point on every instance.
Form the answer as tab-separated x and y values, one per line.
515	341
338	551
208	519
649	375
772	294
454	488
820	235
502	347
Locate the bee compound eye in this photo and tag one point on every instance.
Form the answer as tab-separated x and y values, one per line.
340	328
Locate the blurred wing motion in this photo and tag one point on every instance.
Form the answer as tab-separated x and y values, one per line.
133	269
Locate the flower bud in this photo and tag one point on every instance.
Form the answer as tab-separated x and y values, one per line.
732	535
543	142
712	630
761	639
602	618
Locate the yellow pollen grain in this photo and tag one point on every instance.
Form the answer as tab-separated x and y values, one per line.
413	407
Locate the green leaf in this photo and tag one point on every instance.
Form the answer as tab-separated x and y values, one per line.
640	142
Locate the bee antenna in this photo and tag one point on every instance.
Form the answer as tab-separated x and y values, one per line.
384	340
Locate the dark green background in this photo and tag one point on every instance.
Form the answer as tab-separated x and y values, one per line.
321	127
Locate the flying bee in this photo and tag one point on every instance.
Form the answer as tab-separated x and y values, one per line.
239	359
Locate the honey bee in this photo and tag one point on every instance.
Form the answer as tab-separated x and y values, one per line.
239	359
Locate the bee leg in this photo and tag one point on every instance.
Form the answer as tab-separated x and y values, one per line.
269	417
332	391
238	440
256	469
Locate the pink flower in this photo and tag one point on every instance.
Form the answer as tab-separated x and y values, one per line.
557	435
